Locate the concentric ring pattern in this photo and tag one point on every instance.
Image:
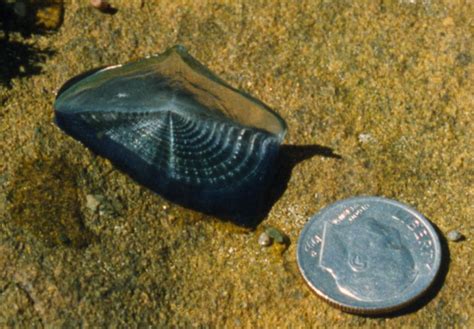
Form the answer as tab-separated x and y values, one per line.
199	152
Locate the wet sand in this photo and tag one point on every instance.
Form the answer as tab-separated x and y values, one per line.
386	86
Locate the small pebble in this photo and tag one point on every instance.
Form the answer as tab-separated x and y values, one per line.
264	240
100	4
454	236
103	6
92	202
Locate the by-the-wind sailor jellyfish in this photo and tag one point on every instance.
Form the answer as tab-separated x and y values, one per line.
176	128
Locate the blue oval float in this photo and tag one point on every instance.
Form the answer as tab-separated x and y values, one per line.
176	128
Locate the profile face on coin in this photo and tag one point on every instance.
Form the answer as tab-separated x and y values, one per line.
368	254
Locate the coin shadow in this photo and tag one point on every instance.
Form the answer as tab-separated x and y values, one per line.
435	287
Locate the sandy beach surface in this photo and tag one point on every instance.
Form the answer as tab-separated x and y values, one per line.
378	98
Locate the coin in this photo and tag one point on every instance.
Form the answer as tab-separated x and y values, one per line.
368	255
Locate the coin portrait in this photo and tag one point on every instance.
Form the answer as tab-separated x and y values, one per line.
367	259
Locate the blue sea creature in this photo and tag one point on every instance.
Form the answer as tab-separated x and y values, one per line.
176	128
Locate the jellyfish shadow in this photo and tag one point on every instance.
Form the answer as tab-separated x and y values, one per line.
288	158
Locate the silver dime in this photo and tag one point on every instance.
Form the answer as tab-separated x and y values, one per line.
368	254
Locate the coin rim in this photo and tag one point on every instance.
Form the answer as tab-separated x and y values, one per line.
372	310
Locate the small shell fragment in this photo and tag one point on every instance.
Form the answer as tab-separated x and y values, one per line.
265	240
455	236
276	235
